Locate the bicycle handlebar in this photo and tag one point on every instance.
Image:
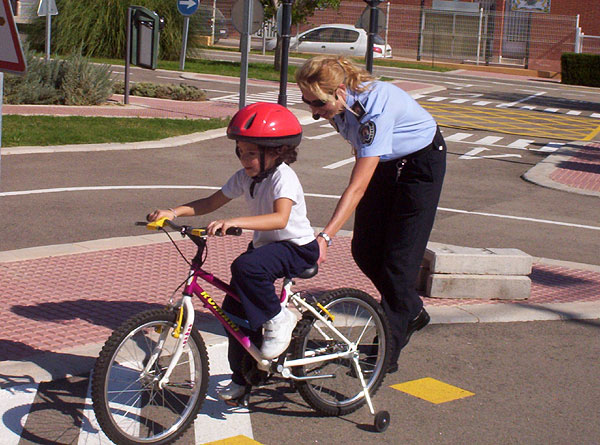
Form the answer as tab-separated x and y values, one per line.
186	230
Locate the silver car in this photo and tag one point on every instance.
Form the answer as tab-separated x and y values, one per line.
335	39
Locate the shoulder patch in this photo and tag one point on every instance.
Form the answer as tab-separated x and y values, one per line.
367	132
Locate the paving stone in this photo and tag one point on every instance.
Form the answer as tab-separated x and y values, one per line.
485	287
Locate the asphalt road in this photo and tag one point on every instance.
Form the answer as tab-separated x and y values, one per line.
529	383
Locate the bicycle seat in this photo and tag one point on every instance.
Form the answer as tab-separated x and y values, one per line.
309	273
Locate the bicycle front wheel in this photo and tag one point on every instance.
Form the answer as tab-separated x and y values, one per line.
335	388
128	403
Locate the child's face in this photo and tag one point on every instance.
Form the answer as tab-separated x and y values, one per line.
250	158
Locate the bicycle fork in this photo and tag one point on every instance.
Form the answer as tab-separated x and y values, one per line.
187	308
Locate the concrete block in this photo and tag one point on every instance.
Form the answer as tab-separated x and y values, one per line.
445	258
485	287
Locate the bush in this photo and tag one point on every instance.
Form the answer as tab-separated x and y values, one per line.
73	81
169	91
100	29
580	69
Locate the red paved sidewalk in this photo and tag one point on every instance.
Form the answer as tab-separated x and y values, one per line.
581	170
56	303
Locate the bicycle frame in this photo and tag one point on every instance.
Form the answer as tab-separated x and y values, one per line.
192	287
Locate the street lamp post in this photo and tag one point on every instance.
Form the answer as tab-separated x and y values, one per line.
286	25
372	32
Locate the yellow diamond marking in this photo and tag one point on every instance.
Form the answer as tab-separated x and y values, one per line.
432	390
235	440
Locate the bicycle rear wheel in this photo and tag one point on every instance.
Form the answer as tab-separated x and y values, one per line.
362	321
129	406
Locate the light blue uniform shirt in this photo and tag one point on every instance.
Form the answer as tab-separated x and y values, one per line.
392	124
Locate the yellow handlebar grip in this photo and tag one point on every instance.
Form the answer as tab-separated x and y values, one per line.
155	225
199	232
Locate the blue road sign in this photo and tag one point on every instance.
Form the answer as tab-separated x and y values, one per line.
187	7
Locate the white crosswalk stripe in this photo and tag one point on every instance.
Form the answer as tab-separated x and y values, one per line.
15	403
294	96
216	420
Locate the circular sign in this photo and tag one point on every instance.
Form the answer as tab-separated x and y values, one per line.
365	17
237	16
187	7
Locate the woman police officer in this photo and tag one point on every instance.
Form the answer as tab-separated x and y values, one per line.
394	187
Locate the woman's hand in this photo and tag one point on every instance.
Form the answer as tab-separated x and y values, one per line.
322	250
158	214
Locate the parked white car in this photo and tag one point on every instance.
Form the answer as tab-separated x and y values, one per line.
335	39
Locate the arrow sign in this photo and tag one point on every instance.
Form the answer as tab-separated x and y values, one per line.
473	154
187	7
11	54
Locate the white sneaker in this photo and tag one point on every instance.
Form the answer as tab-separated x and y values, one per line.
231	391
278	334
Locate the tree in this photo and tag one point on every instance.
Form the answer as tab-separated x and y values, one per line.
301	11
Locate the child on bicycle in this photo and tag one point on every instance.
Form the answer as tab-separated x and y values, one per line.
283	245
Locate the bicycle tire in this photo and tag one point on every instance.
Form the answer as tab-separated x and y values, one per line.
357	316
130	408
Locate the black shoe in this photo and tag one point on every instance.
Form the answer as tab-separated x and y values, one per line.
418	323
392	368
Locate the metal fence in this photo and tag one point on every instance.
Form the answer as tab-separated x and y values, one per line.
525	39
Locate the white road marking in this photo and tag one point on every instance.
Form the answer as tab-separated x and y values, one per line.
339	163
473	154
595	115
459	101
512	104
458	137
313	195
436	99
16	403
489	140
322	136
551	110
482	102
520	144
549	147
573	112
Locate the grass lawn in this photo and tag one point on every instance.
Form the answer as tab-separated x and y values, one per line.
61	130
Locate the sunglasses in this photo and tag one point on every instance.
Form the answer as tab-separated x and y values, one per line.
317	103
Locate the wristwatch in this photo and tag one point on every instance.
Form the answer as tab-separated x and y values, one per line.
326	237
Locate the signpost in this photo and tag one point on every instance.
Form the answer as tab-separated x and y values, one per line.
185	8
47	8
11	54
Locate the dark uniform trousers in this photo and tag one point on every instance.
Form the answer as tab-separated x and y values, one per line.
253	275
392	225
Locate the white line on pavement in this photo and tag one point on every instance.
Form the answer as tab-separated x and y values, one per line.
313	195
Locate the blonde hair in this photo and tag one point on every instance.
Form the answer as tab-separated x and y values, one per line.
322	75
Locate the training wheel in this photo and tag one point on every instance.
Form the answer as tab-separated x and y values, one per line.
382	421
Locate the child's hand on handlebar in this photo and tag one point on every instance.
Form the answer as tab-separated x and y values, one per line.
219	227
158	214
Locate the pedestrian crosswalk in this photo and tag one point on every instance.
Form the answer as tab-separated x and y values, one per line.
294	97
61	411
475	101
508	141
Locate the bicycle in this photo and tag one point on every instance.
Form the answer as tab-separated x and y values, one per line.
151	377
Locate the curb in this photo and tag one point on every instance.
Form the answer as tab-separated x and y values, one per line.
540	173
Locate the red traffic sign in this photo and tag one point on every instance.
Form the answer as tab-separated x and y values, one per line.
11	54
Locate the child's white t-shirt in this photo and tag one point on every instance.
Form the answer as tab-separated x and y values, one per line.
282	183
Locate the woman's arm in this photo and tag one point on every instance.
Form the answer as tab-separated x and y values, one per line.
282	208
359	180
198	207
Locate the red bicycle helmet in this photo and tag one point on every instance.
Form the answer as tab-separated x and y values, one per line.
266	124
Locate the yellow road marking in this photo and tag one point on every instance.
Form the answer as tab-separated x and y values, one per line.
518	122
235	440
593	134
432	390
